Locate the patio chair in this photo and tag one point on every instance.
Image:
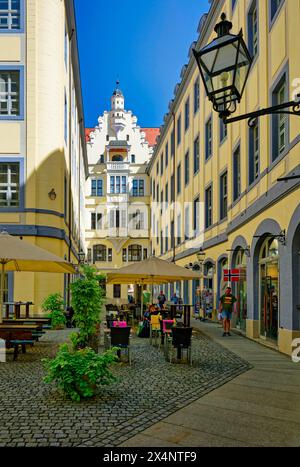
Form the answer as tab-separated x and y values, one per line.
120	338
154	327
181	340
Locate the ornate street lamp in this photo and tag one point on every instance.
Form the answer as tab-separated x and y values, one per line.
201	258
224	66
81	257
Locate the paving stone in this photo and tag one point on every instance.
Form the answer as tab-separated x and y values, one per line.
45	417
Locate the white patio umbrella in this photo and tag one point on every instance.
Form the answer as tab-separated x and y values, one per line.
19	255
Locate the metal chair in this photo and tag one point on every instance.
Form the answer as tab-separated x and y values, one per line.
120	338
181	340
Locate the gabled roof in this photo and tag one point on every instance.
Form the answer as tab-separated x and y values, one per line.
151	135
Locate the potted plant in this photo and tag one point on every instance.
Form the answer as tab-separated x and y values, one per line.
87	301
54	306
79	373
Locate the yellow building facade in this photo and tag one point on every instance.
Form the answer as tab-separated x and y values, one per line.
224	179
43	160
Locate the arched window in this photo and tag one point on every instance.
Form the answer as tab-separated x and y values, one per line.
99	253
135	253
117	158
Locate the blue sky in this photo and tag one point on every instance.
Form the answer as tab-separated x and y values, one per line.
144	42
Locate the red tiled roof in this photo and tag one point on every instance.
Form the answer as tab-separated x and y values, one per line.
151	135
88	131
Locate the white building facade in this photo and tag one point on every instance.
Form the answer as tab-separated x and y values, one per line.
118	192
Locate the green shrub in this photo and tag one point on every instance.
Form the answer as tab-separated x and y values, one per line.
78	373
87	301
54	306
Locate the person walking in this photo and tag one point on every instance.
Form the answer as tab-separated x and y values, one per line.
226	306
161	299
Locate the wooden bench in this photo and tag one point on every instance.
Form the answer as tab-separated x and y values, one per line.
16	338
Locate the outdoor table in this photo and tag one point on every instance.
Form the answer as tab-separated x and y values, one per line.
13	327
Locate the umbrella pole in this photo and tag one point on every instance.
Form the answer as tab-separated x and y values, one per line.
2	290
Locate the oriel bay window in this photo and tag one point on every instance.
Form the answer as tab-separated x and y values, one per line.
9	93
10	15
118	184
9	185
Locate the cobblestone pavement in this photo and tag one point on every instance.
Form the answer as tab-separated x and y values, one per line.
35	414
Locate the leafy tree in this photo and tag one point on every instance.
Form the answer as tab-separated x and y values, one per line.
54	306
87	301
79	373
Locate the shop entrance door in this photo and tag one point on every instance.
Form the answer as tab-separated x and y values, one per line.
269	302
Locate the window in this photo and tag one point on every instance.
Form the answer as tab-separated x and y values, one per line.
117	291
102	159
66	50
187	168
173	143
223	131
153	191
66	119
196	155
157	168
65	197
253	29
179	130
138	188
10	15
124	255
223	196
236	174
162	164
275	4
9	185
9	93
167	194
187	223
196	215
233	3
172	189
167	239
117	158
167	154
172	234
157	193
178	229
135	253
254	162
96	221
109	255
187	114
117	219
208	207
161	243
138	220
115	184
99	253
196	95
97	187
89	255
279	121
208	138
179	179
133	158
